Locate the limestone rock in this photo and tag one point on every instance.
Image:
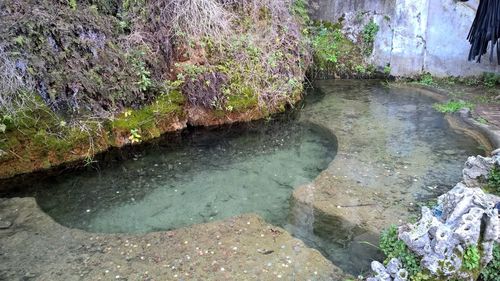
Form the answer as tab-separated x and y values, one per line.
393	271
478	167
442	235
381	273
441	241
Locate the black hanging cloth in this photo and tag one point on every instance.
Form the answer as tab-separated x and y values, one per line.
485	29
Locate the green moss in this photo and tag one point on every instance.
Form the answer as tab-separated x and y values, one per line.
243	99
146	117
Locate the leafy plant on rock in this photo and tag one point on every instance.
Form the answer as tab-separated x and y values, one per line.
471	258
370	30
492	271
393	247
493	184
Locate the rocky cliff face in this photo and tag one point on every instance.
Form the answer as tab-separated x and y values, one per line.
415	36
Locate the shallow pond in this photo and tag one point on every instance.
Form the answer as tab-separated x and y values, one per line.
383	139
214	174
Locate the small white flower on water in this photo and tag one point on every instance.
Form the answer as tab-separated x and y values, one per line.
222	269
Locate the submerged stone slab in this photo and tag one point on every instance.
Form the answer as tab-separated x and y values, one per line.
241	248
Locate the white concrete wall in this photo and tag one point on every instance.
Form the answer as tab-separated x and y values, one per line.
415	35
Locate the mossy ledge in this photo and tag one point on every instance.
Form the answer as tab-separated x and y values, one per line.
33	150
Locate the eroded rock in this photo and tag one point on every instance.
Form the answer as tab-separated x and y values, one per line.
465	217
478	167
393	271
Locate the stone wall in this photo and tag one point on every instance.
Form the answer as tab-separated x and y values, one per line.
415	35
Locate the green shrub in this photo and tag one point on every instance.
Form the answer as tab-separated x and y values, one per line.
370	30
452	106
493	184
490	80
426	79
299	9
492	271
387	70
471	258
393	247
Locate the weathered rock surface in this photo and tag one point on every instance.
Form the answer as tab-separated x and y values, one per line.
34	247
465	217
393	271
477	169
415	36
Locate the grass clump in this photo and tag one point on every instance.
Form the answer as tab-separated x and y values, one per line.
426	79
452	106
490	79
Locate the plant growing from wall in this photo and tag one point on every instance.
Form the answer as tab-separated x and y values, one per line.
370	30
